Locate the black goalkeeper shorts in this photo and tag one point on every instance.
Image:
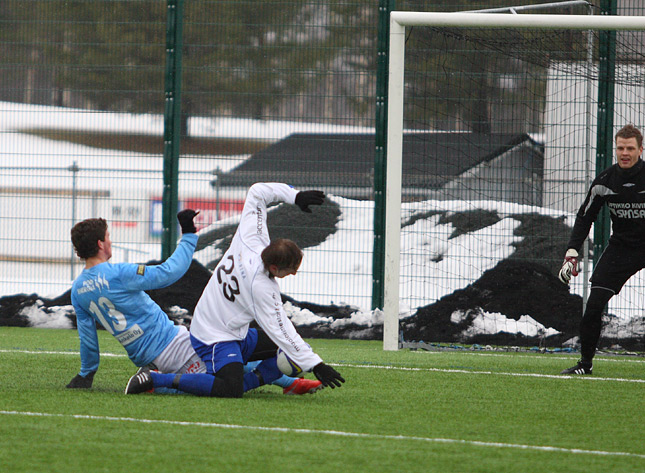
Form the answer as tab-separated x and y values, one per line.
615	266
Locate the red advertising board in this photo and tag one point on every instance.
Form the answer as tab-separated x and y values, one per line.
211	210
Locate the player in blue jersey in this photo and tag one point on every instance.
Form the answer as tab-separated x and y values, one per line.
114	295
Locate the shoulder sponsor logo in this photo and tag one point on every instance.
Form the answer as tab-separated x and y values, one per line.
88	286
141	269
97	284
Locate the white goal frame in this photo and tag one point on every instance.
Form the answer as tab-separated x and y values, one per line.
398	23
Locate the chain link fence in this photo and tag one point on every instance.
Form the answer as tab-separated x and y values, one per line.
82	117
270	91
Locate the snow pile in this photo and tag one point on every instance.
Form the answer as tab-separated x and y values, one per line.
40	316
484	323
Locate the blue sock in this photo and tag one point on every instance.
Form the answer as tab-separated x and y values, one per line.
283	381
251	381
251	365
168	391
200	384
269	371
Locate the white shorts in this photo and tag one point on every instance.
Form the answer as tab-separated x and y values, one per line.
179	356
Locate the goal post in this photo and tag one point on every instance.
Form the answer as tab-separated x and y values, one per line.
399	21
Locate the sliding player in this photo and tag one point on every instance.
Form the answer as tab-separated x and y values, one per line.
244	289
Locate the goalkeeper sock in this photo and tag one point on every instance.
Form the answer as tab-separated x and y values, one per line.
200	384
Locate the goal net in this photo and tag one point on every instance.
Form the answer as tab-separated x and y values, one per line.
493	124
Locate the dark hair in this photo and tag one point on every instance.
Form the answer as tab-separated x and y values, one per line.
630	131
86	234
283	253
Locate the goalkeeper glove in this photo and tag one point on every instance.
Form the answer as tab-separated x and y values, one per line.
328	376
569	266
186	223
82	382
306	198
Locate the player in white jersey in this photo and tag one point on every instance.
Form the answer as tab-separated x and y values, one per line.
243	289
114	295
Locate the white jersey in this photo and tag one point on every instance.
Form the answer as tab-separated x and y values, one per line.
240	289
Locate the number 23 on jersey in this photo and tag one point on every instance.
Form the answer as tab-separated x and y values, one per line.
230	285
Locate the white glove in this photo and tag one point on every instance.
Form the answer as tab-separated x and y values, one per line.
569	266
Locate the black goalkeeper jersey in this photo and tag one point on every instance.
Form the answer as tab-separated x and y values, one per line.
623	190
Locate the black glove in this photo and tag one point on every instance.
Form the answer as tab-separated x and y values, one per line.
306	198
328	376
82	382
186	223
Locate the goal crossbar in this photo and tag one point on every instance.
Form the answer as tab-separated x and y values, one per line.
398	22
502	20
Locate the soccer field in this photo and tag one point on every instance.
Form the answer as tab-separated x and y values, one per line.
398	412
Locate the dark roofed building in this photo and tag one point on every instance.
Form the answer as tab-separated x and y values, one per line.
435	165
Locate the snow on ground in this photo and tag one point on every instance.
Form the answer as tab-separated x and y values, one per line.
18	116
52	318
491	324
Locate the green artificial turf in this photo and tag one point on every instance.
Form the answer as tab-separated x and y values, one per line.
398	412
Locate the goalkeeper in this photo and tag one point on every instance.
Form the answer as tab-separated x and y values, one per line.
243	289
622	188
113	295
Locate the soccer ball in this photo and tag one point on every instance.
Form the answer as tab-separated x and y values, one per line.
287	365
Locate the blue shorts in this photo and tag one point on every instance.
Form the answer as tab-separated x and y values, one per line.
220	354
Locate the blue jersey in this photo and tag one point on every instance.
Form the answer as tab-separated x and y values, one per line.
113	295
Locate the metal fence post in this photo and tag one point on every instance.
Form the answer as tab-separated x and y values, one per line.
380	156
172	125
605	139
74	170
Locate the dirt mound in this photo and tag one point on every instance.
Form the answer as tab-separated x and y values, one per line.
512	288
186	292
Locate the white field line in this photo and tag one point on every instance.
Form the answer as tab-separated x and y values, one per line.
498	373
537	356
386	367
45	352
336	433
